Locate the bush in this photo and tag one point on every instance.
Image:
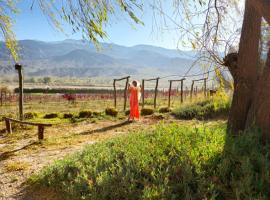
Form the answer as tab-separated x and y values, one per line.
172	162
127	112
50	116
165	110
207	109
30	115
147	111
111	112
68	115
96	113
85	114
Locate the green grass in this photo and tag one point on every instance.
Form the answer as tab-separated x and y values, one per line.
207	109
172	162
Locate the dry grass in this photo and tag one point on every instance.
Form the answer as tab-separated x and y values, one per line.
16	166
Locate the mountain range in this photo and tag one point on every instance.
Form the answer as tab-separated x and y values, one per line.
77	58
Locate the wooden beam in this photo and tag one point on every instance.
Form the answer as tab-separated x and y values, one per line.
152	79
178	80
26	123
120	79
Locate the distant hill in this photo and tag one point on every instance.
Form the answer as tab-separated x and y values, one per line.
79	58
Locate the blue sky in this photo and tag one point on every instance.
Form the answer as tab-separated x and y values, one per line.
32	24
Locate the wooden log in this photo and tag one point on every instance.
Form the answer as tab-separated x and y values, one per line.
8	126
170	89
114	92
26	123
156	93
125	94
191	90
18	67
40	132
143	93
182	84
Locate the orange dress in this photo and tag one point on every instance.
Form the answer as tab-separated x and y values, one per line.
134	103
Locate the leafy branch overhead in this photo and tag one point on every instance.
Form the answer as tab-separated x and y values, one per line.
84	16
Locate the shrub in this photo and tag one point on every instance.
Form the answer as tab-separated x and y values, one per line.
147	111
172	162
207	109
30	115
127	112
96	113
85	114
111	112
50	116
165	110
68	115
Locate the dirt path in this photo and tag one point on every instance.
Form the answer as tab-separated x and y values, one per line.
21	154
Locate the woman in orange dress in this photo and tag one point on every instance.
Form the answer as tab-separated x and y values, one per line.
134	91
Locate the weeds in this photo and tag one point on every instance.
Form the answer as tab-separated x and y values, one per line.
171	162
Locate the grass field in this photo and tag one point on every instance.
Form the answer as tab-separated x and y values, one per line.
22	155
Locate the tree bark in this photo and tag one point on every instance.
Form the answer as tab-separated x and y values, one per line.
259	114
247	69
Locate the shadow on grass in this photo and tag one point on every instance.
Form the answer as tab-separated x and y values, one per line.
107	128
6	155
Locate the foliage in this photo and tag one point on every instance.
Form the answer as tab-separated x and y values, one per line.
85	17
68	115
165	110
111	112
30	115
47	80
172	162
51	115
97	113
127	112
147	111
85	114
6	23
218	106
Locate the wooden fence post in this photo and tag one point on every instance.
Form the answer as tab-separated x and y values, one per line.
8	126
114	92
156	93
170	88
40	132
205	93
1	98
125	94
191	90
18	67
143	93
182	83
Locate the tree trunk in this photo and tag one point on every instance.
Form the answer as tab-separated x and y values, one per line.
247	69
251	103
259	114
